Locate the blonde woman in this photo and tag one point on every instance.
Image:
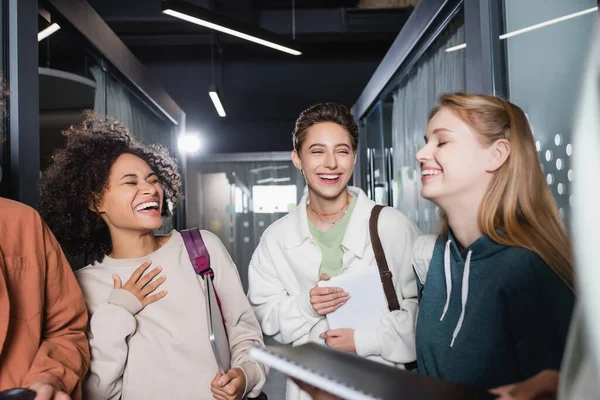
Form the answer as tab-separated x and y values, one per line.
497	301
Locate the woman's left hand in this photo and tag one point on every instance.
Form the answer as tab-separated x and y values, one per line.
230	386
543	386
313	392
341	339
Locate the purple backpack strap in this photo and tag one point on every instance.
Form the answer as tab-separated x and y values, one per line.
197	251
200	258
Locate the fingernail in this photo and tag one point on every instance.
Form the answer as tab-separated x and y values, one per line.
114	276
322	335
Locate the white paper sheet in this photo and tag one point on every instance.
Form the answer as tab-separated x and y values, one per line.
367	303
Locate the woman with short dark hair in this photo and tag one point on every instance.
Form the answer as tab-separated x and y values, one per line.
328	235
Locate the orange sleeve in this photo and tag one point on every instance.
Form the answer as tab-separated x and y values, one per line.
63	357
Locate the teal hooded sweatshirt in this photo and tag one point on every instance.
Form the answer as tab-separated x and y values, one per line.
490	315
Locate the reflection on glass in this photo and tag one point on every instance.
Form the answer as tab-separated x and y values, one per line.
377	168
438	71
546	46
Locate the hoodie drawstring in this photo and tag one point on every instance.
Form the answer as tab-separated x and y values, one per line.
448	277
465	288
464	297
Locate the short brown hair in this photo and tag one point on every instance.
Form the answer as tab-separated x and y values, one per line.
325	112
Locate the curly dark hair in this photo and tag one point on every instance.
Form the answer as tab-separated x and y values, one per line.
78	176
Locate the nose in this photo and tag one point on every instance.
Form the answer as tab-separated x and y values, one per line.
423	154
330	161
147	188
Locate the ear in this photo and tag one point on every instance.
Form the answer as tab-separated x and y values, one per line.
499	152
296	160
95	204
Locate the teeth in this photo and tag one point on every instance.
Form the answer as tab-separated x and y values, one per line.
329	176
146	205
426	172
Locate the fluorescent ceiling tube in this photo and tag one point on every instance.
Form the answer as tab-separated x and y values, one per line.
454	48
533	27
214	96
48	31
550	22
211	20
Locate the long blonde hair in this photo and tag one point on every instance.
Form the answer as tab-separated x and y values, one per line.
518	201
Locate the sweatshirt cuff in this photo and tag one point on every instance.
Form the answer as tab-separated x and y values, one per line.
366	342
125	299
252	375
306	308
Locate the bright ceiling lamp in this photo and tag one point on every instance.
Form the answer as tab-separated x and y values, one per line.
211	20
214	96
48	31
454	48
550	22
189	143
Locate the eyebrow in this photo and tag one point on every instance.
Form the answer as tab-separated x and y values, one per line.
322	145
135	176
436	131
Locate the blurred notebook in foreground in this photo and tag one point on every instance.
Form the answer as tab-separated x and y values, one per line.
355	378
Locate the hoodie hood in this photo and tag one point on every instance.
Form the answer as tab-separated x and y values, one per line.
483	247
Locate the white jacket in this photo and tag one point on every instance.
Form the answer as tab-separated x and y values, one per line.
285	266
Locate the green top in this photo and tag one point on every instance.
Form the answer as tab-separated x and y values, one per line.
330	243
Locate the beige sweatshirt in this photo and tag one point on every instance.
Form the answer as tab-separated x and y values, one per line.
162	351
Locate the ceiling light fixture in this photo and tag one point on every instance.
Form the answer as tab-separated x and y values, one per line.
533	27
189	143
214	96
549	22
211	20
454	48
43	34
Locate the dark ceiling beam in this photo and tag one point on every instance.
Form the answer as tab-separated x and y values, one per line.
136	9
242	10
308	21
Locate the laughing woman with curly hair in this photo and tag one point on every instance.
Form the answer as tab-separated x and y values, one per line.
103	196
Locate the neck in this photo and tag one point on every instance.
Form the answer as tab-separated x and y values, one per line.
463	219
128	244
325	205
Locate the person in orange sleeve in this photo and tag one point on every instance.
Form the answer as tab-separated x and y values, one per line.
43	317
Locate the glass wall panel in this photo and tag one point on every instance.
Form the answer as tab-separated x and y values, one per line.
377	174
72	78
440	70
4	147
239	200
547	45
